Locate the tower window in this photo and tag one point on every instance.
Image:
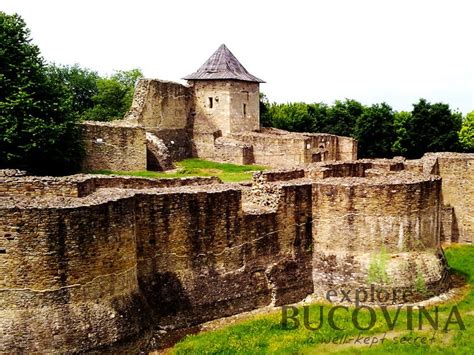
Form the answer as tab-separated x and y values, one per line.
245	110
211	102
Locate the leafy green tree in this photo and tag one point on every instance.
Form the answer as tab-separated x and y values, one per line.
374	131
432	128
342	117
114	96
466	134
400	121
38	130
293	117
319	115
78	83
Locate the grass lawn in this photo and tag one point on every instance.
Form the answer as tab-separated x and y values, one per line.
264	334
197	167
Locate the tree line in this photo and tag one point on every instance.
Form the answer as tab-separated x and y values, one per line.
380	131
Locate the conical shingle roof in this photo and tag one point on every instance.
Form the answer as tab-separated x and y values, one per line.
223	65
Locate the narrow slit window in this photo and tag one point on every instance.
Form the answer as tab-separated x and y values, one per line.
211	102
245	110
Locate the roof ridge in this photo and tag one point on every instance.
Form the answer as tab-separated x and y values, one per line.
223	65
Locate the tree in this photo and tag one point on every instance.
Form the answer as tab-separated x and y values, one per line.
264	106
319	115
114	96
293	117
432	128
38	130
466	134
374	131
342	117
400	121
79	84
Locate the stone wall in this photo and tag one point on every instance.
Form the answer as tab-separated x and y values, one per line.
162	105
210	119
277	148
83	185
457	171
91	261
202	257
68	278
158	157
177	141
358	220
106	267
347	148
228	150
34	186
113	146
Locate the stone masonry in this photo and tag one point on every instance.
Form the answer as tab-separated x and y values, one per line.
216	117
91	262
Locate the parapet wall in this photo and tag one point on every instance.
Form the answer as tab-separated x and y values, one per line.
82	185
113	146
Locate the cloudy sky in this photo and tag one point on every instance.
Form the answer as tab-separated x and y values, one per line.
369	50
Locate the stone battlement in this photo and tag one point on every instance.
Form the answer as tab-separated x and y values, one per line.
92	261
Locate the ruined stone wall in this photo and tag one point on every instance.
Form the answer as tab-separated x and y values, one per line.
203	144
457	172
82	185
275	150
228	150
280	149
359	220
202	257
113	146
162	105
347	148
34	186
97	260
177	141
68	278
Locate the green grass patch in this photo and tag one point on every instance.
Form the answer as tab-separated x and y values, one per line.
197	167
264	334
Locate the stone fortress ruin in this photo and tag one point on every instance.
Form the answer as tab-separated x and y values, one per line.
93	262
216	116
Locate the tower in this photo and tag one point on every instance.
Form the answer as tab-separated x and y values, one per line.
226	95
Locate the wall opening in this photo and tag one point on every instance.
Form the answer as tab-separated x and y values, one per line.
245	110
211	102
3	251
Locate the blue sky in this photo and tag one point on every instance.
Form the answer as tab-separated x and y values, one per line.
368	50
